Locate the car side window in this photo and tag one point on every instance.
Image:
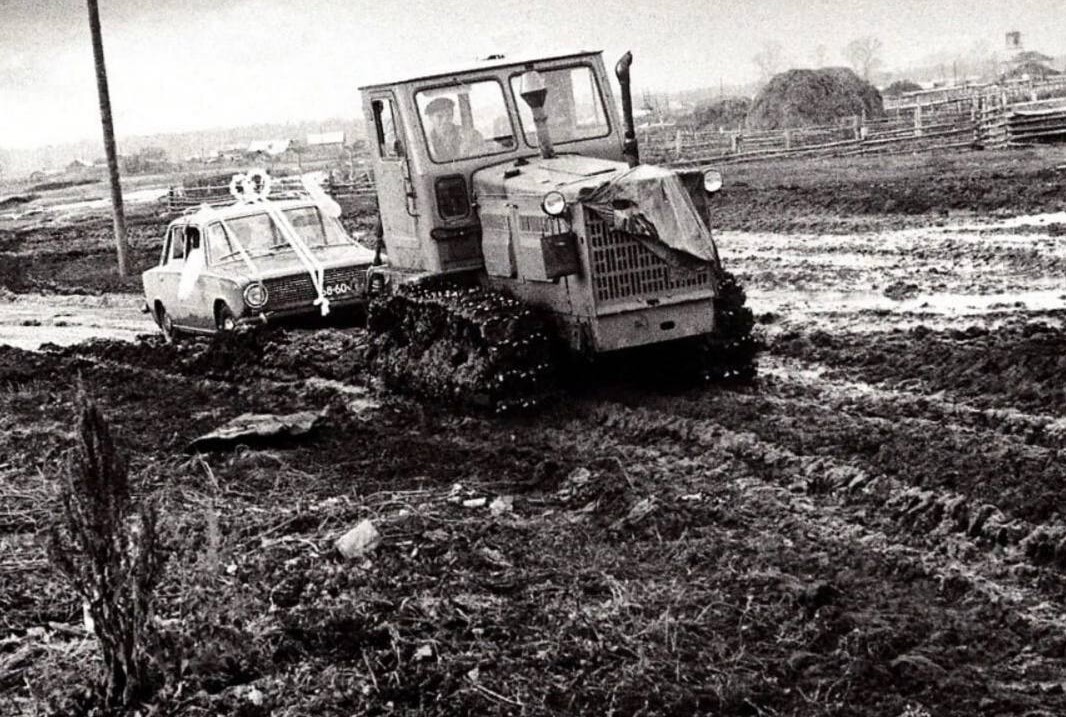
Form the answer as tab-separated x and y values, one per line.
177	245
219	246
192	239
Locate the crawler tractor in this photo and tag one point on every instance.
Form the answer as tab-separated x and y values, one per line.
516	217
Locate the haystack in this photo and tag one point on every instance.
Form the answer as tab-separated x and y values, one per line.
803	98
898	87
1033	70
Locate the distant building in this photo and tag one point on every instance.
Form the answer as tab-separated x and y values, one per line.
1025	64
326	139
232	153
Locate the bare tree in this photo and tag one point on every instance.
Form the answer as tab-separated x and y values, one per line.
864	54
770	59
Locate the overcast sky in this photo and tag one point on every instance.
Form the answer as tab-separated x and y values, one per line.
194	64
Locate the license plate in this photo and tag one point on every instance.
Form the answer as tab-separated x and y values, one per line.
339	288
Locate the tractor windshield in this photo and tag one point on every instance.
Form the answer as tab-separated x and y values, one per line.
464	121
574	106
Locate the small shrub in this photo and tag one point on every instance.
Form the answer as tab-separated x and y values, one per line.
109	553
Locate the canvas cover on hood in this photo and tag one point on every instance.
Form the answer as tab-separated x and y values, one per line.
653	205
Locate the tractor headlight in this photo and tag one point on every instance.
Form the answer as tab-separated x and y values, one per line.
553	204
255	295
712	181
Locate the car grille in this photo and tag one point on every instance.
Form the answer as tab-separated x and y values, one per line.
289	291
623	268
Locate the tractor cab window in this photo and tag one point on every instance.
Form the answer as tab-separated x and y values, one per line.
464	121
574	106
389	145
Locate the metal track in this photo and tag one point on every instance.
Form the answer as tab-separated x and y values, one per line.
462	345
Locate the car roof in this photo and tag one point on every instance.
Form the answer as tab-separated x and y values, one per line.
492	63
244	209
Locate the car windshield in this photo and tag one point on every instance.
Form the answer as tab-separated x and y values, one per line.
259	234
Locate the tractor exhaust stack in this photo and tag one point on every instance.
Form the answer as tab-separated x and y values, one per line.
629	144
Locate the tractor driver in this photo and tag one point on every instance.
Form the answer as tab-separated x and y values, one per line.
448	140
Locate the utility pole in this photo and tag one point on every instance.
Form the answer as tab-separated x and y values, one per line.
109	139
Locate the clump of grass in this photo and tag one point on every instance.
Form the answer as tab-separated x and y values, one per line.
108	549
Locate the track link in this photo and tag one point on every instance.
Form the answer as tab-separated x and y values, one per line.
462	345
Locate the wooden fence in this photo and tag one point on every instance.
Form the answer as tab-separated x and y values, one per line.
989	120
1010	91
180	198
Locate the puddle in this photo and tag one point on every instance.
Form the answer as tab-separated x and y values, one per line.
140	196
1028	220
27	322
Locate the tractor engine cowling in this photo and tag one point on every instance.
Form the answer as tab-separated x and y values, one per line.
622	256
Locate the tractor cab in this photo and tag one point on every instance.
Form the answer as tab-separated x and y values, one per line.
430	134
518	176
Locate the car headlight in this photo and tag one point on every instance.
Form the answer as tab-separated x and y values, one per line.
553	204
712	181
255	295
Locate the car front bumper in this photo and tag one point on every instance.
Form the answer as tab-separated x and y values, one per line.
258	318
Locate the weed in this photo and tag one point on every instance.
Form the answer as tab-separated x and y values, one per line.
109	552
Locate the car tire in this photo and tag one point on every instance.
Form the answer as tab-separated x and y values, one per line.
225	321
166	324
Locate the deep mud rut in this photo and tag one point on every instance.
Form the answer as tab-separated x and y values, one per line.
873	528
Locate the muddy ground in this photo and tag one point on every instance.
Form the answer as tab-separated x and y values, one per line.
875	527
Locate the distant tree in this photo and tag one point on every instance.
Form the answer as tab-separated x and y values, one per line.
144	161
770	59
864	55
719	113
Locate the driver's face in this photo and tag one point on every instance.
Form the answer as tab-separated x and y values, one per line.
440	120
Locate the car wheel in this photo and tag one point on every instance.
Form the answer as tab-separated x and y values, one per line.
224	319
166	324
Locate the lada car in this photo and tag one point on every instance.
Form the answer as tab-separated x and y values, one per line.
251	263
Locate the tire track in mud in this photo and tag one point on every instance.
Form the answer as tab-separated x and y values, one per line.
953	541
1019	364
937	408
985	484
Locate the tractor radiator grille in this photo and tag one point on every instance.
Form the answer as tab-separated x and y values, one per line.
623	268
289	291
